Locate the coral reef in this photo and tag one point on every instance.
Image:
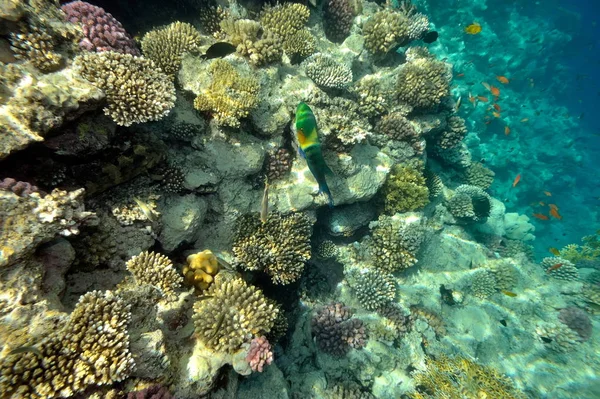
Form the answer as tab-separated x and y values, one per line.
336	331
389	29
405	190
230	96
259	354
326	72
102	32
560	268
374	289
469	204
136	91
577	320
165	46
201	269
478	175
231	314
91	349
156	270
260	48
339	16
279	247
423	83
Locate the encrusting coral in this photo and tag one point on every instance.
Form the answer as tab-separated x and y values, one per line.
135	89
405	190
326	72
279	247
156	270
230	96
201	269
91	349
336	331
469	204
165	46
231	313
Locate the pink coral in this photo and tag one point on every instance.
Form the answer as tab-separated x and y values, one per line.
259	354
21	188
102	32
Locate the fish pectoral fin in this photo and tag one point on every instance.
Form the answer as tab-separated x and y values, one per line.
302	154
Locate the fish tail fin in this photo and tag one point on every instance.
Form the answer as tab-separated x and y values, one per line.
325	190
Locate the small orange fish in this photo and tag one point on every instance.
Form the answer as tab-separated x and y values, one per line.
541	203
517	180
554	251
555	214
483	99
473	29
553	206
495	91
553	267
496	114
509	293
497	107
472	99
506	130
502	79
486	85
460	75
524	120
548	193
540	216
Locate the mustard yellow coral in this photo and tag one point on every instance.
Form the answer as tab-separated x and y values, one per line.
230	96
405	190
201	269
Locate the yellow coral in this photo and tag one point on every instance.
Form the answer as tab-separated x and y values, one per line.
201	269
230	96
405	190
589	251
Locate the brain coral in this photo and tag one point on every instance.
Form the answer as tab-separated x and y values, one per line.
336	331
166	46
157	270
230	96
326	72
279	247
91	349
231	314
405	190
469	204
423	83
135	89
102	32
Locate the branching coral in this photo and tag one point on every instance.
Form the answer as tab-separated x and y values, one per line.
167	45
230	96
566	270
261	47
259	354
558	337
231	314
389	29
395	242
339	16
396	127
300	44
405	190
326	72
453	134
285	20
483	284
91	349
157	270
423	83
589	251
278	163
327	249
478	175
279	247
135	89
469	204
373	288
201	269
336	331
373	95
462	378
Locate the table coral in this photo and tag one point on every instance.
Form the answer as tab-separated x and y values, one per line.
157	270
92	349
231	313
135	89
165	46
279	247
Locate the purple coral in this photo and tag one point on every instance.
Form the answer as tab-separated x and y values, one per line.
278	164
339	16
101	31
21	188
577	320
259	354
335	331
153	392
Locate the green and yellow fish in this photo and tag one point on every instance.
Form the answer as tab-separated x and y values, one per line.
310	148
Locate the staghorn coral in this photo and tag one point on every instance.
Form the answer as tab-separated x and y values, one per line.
201	269
469	204
567	271
336	331
279	247
483	284
326	72
156	270
423	83
459	377
405	190
478	175
453	134
577	320
259	354
91	349
135	90
230	96
339	16
373	288
261	47
101	31
231	314
278	164
395	242
167	45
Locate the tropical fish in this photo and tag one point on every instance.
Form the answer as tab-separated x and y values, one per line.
25	349
553	206
487	86
497	107
517	180
509	293
472	99
496	114
553	267
458	103
219	50
495	91
554	251
483	99
506	130
460	75
264	205
502	79
540	216
542	203
548	193
524	120
310	148
148	212
555	214
430	37
473	29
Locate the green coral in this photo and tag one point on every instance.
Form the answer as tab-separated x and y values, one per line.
405	190
231	95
